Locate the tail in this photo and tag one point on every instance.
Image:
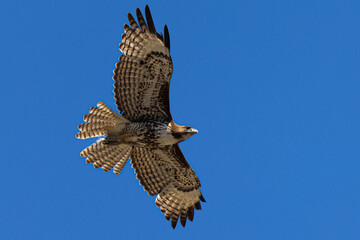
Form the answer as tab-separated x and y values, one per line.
100	122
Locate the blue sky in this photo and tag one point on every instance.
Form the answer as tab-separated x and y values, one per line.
272	86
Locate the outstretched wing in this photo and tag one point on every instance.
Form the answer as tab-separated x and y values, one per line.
142	75
166	173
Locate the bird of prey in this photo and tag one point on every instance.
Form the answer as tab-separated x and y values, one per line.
144	131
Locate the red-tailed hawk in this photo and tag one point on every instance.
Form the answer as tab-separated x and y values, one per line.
145	131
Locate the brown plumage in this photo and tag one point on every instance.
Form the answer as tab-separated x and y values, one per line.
145	130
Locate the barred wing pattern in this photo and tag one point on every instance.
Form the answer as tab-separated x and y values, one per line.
142	75
166	173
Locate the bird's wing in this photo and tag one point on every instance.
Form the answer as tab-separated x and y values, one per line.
166	173
142	75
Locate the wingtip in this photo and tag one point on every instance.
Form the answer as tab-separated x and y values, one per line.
173	223
149	20
183	222
190	214
126	27
167	37
202	198
141	20
197	206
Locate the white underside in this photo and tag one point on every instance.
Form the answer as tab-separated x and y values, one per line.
166	138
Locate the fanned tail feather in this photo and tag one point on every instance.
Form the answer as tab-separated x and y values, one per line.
107	156
102	121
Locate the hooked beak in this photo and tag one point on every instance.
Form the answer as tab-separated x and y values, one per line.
193	130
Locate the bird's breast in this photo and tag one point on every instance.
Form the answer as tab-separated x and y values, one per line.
166	137
150	133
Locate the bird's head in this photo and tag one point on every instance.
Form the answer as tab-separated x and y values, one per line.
191	130
182	132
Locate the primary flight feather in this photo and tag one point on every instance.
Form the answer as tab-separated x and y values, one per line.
145	131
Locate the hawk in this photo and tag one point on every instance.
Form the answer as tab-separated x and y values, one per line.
144	131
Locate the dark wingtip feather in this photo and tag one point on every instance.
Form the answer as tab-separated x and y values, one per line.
183	222
190	214
132	21
183	218
198	206
141	20
149	19
126	27
202	198
167	37
174	222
